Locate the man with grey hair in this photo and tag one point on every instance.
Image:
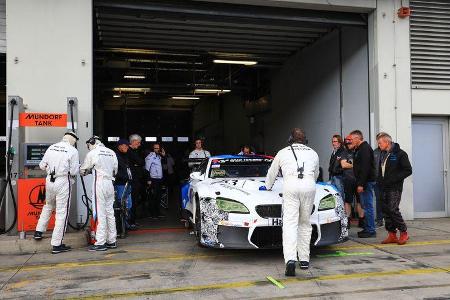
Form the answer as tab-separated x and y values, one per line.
394	168
364	169
136	160
300	167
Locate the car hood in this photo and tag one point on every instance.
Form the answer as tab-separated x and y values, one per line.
247	190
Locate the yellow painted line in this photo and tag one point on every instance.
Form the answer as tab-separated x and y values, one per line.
154	252
18	285
409	244
185	257
109	262
242	284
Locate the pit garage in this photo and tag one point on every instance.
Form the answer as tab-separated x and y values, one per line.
232	74
173	71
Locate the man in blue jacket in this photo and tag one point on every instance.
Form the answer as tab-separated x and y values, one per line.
394	168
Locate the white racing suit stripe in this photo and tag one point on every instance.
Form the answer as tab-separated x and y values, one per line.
57	197
298	201
104	201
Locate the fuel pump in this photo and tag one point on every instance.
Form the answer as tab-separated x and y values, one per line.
24	194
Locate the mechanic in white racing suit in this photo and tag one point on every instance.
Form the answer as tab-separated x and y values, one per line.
61	163
299	165
102	162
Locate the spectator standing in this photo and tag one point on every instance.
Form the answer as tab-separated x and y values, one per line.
137	163
169	175
378	201
394	168
198	153
364	169
349	179
335	170
153	164
123	176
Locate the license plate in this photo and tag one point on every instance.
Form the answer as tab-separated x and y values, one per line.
275	222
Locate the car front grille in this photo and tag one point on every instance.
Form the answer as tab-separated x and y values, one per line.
267	237
269	211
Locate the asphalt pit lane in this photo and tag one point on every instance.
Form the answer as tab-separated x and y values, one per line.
118	252
388	258
137	277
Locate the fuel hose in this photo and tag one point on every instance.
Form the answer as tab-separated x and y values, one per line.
9	161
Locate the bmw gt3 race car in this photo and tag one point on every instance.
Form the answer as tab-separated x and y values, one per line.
223	202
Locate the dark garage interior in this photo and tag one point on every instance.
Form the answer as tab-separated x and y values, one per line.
196	69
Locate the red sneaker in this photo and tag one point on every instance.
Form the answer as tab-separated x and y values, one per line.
391	238
403	238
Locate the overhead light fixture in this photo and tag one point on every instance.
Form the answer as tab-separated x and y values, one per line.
184	98
235	62
211	91
134	76
117	96
131	90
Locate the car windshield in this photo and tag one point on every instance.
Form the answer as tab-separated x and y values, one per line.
239	167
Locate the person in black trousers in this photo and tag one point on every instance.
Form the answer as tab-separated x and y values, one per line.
137	165
394	168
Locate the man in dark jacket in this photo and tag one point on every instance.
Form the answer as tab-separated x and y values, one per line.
364	169
394	168
137	165
378	203
123	176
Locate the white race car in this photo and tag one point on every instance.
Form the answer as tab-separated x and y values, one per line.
223	202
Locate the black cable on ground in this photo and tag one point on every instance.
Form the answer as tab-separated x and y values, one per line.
10	159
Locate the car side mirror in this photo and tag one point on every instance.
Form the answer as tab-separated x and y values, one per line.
196	176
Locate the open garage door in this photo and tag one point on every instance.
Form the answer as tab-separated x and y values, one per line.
233	74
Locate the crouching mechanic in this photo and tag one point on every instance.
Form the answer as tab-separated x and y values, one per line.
61	163
299	165
102	162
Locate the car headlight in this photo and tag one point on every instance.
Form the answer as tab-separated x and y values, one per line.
231	206
327	202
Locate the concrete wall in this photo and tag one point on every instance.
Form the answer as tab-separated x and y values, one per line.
431	102
306	93
2	26
390	81
47	42
335	5
236	124
223	123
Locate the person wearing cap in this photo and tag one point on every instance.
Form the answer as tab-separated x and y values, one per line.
123	176
299	165
102	163
61	162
